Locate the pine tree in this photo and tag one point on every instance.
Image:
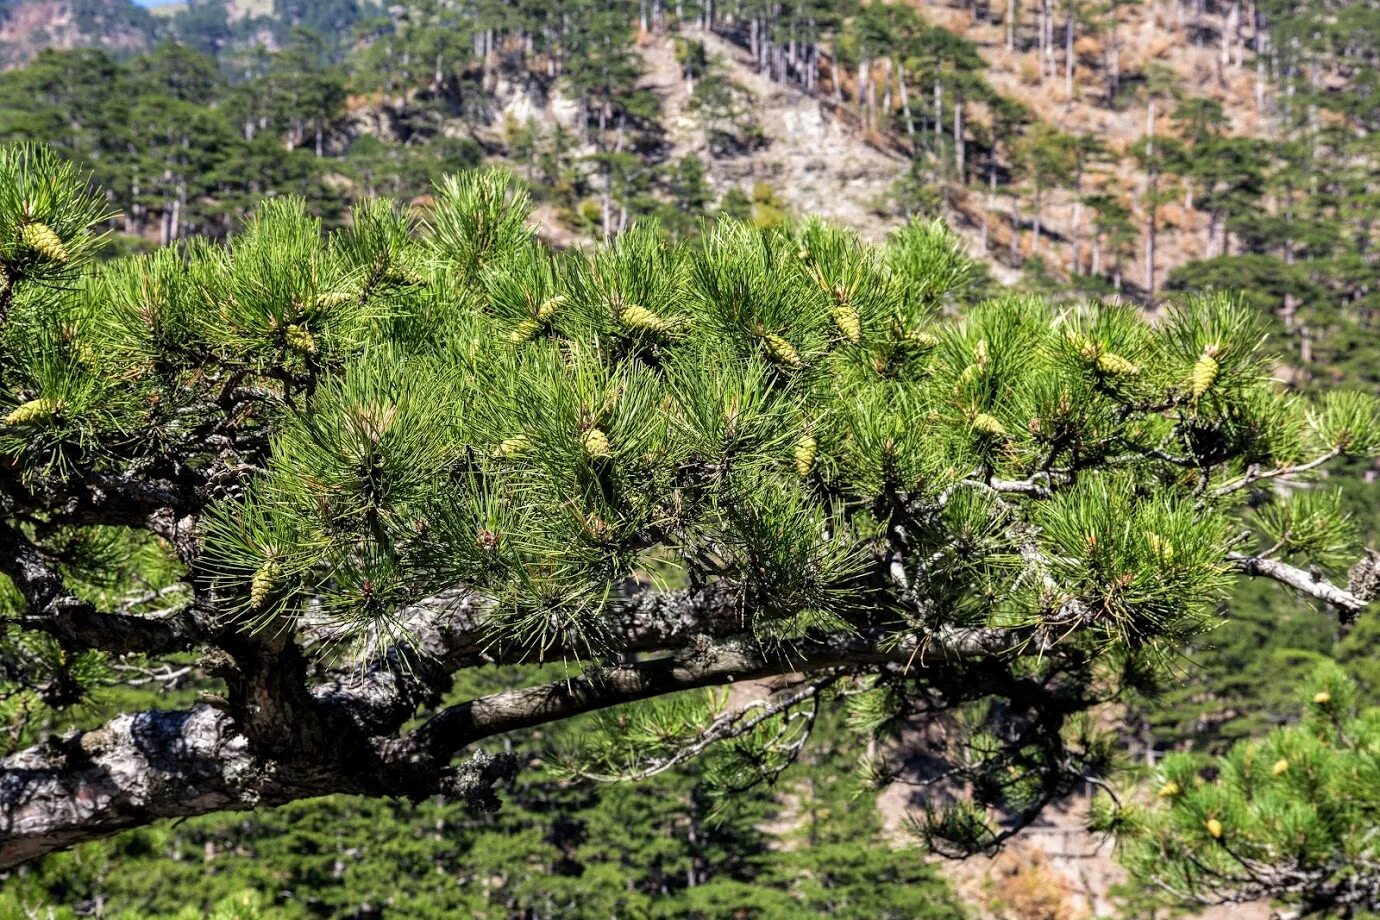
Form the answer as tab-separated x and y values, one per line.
1289	817
342	467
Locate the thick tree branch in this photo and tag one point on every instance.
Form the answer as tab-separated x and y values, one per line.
1347	604
449	632
55	610
705	665
134	770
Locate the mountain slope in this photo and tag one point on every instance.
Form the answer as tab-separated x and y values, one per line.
29	26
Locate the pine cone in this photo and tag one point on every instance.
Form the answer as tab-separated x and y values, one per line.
596	443
403	275
1115	365
524	331
42	239
513	447
299	339
642	319
980	355
849	321
1364	578
1214	828
1205	372
805	450
262	584
1280	768
33	412
1162	547
547	311
333	299
988	424
969	374
921	340
781	350
1169	790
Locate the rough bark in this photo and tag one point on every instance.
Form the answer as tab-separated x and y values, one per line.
274	744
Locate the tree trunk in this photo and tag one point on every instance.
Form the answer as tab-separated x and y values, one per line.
1114	57
1068	48
1076	242
938	113
1151	194
608	201
959	151
905	101
991	197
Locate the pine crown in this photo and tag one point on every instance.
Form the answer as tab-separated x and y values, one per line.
457	404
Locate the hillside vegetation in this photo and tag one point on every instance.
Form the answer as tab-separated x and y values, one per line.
1133	150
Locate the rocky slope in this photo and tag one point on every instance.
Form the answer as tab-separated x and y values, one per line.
29	26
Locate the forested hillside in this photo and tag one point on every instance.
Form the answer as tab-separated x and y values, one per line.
1140	148
1131	149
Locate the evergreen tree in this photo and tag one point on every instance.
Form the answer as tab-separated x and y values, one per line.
343	468
1289	817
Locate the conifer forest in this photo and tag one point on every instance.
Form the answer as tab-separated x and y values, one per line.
713	459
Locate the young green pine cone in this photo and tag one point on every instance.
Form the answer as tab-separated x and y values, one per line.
1280	768
1115	365
1214	828
980	355
547	311
969	374
300	339
596	443
781	350
33	412
642	319
333	299
988	424
524	331
513	447
805	450
265	579
849	321
403	274
1162	547
1080	342
42	239
921	340
1205	371
1169	790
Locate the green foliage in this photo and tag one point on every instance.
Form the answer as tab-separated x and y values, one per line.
1288	816
408	385
659	848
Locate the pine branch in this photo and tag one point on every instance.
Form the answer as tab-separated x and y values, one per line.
451	632
55	610
734	724
135	769
704	665
1254	475
1314	585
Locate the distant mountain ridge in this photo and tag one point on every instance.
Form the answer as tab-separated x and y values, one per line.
122	27
29	26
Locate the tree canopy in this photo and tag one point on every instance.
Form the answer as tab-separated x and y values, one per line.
343	467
